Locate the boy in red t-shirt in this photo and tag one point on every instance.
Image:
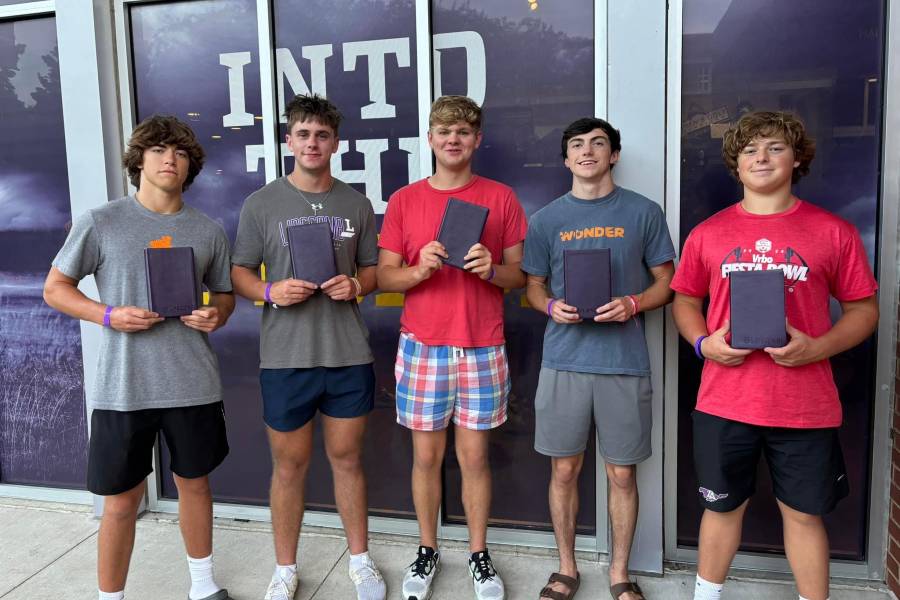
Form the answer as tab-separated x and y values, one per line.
451	361
778	401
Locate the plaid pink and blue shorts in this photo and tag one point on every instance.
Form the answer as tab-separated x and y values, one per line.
438	383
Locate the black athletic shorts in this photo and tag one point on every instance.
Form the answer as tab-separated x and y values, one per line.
806	465
121	445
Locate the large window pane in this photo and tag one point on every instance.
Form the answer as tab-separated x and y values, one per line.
821	60
531	65
361	54
199	62
43	433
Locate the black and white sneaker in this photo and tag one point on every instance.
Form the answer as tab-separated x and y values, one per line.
420	574
487	582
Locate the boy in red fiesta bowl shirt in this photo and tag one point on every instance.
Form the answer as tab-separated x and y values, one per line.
778	401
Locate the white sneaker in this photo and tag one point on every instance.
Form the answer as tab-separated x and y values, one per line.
420	574
279	589
487	582
367	579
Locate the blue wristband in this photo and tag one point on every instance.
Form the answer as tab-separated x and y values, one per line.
697	344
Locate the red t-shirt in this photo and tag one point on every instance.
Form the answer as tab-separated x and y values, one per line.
452	307
822	255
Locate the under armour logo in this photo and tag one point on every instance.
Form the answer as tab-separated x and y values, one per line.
318	206
711	496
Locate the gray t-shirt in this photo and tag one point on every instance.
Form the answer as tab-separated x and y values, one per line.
170	364
318	332
634	229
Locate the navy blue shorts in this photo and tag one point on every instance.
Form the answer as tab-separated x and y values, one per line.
291	397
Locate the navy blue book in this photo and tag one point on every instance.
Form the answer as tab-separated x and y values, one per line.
588	280
757	309
460	229
312	252
172	289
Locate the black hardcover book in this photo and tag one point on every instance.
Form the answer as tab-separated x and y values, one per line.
757	309
312	252
461	228
588	280
172	289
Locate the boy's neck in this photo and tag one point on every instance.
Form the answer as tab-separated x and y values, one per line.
590	189
313	183
445	179
768	203
159	201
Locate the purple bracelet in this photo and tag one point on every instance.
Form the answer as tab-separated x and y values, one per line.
268	290
106	316
493	272
550	307
697	344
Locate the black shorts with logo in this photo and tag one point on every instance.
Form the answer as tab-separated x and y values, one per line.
121	446
806	465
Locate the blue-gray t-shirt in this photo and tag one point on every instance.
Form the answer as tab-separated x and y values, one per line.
634	228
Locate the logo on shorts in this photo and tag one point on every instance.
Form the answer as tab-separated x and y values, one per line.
711	496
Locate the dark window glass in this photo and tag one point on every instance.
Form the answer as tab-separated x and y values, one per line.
200	63
43	433
531	66
822	61
362	56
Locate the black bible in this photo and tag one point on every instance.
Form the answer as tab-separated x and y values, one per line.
461	228
588	280
757	309
171	281
312	252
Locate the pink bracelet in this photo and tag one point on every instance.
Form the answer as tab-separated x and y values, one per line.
635	305
106	316
550	307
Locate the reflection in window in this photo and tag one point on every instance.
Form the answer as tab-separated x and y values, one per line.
822	61
43	432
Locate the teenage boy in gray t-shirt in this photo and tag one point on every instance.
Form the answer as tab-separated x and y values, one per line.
314	346
596	370
153	374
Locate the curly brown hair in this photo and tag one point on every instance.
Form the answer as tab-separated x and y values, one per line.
160	130
302	108
769	124
448	110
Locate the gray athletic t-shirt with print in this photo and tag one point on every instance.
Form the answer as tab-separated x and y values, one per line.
318	332
169	365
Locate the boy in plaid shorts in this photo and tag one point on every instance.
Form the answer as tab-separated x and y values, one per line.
451	362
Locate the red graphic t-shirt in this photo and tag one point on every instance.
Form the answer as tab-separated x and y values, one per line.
821	255
452	307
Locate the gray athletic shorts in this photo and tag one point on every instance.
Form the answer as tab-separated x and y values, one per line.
567	402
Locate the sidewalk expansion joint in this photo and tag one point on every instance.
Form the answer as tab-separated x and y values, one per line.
330	571
49	564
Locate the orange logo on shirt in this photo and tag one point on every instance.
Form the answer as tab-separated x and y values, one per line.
163	242
592	232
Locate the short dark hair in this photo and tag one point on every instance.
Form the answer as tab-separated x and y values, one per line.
587	125
162	130
312	106
769	124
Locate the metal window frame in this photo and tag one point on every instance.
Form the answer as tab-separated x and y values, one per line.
872	568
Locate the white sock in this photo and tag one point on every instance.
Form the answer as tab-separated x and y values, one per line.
112	595
285	572
202	582
356	560
707	590
802	598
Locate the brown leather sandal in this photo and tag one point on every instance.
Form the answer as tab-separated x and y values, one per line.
627	586
572	583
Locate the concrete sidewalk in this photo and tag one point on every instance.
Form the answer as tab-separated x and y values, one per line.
47	551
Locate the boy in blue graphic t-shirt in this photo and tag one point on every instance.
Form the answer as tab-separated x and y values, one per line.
597	366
